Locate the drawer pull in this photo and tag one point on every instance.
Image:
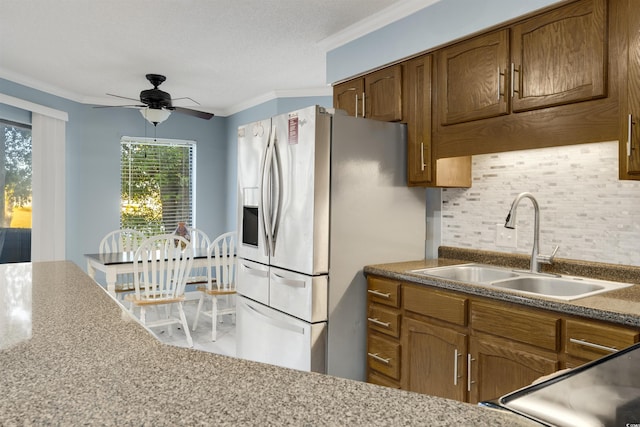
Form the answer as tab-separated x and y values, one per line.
378	322
379	294
379	359
593	345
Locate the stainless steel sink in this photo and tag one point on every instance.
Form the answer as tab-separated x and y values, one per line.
472	273
558	287
564	287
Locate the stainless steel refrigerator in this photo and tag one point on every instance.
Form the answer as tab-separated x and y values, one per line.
320	195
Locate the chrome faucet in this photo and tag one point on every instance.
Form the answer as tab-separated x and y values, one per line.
510	222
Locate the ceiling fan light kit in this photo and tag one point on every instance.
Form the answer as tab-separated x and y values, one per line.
155	115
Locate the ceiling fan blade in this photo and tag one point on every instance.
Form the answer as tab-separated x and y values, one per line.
185	97
124	97
195	113
120	106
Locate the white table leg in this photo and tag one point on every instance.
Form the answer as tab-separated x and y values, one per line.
111	278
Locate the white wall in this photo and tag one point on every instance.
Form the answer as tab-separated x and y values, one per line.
585	209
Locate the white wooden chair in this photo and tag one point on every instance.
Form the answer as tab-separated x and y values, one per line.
161	270
125	240
199	241
223	265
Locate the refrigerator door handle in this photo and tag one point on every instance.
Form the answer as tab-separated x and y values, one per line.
289	282
254	271
276	207
275	322
265	195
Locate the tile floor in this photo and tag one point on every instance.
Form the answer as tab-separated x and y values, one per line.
226	333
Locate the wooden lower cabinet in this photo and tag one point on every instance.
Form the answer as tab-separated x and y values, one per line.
497	367
473	349
434	360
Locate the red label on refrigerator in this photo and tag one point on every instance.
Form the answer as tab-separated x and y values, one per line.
293	128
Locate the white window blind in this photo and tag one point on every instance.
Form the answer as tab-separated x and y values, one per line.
157	184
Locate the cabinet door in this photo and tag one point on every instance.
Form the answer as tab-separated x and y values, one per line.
471	79
383	94
631	127
418	91
560	57
348	96
434	360
499	367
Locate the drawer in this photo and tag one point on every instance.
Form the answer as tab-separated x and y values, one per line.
517	324
385	320
592	340
302	296
383	291
376	378
384	356
434	303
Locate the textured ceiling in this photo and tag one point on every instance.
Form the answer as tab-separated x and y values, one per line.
225	54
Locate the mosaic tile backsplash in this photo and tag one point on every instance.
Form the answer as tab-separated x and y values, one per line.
584	208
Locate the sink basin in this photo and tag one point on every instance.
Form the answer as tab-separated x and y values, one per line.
559	287
472	273
565	287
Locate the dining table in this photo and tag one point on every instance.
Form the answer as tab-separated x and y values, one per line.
113	264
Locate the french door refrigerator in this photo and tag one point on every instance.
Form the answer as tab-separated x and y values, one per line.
320	195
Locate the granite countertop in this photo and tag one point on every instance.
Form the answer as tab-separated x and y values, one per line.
620	306
68	358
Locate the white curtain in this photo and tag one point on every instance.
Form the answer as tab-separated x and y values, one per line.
48	186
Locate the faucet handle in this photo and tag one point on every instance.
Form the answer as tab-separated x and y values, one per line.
548	259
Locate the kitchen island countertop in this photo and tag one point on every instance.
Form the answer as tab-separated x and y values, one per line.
80	363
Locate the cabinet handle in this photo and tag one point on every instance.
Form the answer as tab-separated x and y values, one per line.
422	165
363	106
456	356
593	345
513	80
499	74
379	294
469	360
629	134
378	322
379	359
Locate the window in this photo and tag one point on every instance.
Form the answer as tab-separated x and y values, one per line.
15	180
157	184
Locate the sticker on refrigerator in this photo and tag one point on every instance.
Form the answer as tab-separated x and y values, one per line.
293	129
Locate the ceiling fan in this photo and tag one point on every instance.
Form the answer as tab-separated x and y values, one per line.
157	104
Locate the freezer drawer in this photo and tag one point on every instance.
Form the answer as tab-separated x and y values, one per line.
269	336
253	280
299	295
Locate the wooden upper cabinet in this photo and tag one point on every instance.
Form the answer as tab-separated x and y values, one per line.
377	95
418	117
383	94
422	168
471	79
630	114
560	57
348	96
